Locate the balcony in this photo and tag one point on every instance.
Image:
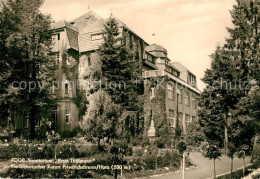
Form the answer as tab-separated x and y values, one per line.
153	73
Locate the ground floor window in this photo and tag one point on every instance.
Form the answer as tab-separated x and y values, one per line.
37	122
67	116
26	120
172	118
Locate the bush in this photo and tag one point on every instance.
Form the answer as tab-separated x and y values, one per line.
195	135
67	151
256	155
150	161
87	150
238	173
138	151
27	151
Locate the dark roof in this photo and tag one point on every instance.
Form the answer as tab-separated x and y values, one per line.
156	50
179	66
84	26
88	22
62	24
86	44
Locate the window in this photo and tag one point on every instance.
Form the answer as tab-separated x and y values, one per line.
26	120
172	118
152	93
179	95
66	88
89	61
97	36
192	80
193	118
37	122
187	99
187	119
180	117
58	36
193	101
170	91
67	116
57	58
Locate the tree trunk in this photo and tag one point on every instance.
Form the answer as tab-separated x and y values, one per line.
115	176
98	144
214	169
231	171
244	167
32	96
226	140
183	165
32	117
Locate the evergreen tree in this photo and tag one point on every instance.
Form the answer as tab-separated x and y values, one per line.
25	43
234	66
120	69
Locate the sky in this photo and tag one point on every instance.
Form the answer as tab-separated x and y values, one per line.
190	30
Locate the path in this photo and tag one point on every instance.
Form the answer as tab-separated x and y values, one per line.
205	167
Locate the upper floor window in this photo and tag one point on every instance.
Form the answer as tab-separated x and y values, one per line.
170	91
152	93
58	36
180	117
193	101
187	99
172	118
193	118
179	95
97	36
67	116
187	119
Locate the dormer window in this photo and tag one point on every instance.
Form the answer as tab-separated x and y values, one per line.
97	36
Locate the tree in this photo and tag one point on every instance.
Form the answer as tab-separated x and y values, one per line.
120	68
194	134
25	43
234	66
101	119
212	151
213	101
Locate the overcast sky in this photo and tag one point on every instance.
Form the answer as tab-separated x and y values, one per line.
189	29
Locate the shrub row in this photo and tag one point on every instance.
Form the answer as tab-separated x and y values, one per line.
46	151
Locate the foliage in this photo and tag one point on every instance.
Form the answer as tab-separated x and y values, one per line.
194	134
227	102
121	69
238	173
211	150
101	119
25	43
26	151
67	151
256	155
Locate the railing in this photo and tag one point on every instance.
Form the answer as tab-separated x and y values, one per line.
153	73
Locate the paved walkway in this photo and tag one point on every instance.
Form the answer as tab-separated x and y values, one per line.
205	167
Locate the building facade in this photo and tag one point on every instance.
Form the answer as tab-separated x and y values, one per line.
170	89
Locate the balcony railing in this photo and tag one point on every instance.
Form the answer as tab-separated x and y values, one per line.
153	73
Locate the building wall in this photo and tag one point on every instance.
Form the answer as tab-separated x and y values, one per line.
155	106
